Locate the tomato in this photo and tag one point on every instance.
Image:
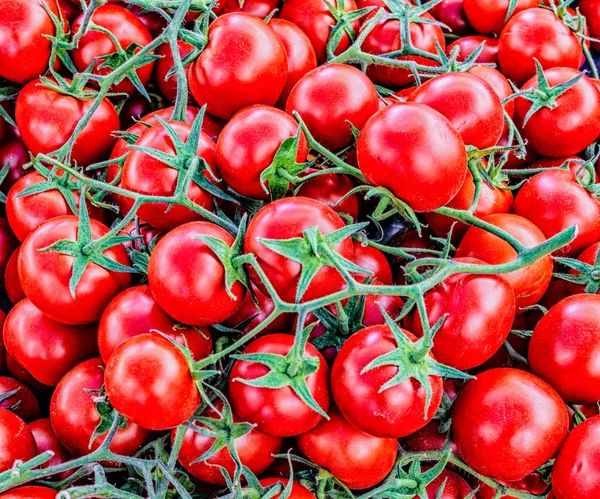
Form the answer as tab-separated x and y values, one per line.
513	161
16	440
299	491
374	260
571	125
46	440
286	219
576	471
452	14
359	460
188	280
301	57
12	283
574	163
3	361
529	283
152	20
24	45
591	11
428	438
329	189
537	34
315	19
8	243
74	416
168	86
468	44
128	30
415	152
23	403
247	146
455	486
533	483
220	77
259	8
47	118
543	200
500	85
148	380
489	16
255	450
469	102
494	414
134	312
46	349
328	98
29	492
69	9
589	256
13	152
45	276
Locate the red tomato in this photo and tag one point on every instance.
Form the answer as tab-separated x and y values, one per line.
494	414
260	8
12	283
589	256
468	44
29	492
168	86
18	372
69	9
428	438
24	45
329	189
574	163
374	260
8	243
489	16
415	152
359	460
46	349
188	280
576	472
330	96
455	486
220	77
128	30
23	403
299	491
74	416
591	10
513	161
3	361
159	393
16	440
533	483
571	125
46	440
13	152
45	276
529	283
537	34
554	200
452	14
152	20
500	85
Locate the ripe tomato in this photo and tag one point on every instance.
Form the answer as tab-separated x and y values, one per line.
13	152
220	77
455	486
299	491
494	414
469	102
329	189
29	492
159	393
537	34
529	283
374	260
16	440
489	16
328	98
533	483
588	256
45	276
452	14
46	440
286	219
128	30
468	44
23	403
576	471
259	8
500	85
248	143
3	362
359	460
428	438
12	283
591	10
46	349
415	152
8	243
193	293
24	46
571	125
74	416
574	163
168	86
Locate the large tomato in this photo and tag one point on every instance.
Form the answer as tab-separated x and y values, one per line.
489	16
46	440
328	98
357	459
74	416
16	440
415	152
244	63
508	422
45	276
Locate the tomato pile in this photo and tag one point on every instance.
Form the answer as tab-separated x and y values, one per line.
294	249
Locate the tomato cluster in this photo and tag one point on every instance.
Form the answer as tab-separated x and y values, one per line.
299	249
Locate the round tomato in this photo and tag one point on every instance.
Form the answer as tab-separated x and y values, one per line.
330	188
574	163
12	283
372	259
489	16
468	44
13	152
23	402
589	256
168	86
46	440
8	244
454	486
29	492
3	360
259	8
452	14
299	491
500	85
16	440
591	11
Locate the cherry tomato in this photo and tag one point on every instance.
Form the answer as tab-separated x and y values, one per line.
330	188
13	152
455	486
428	438
468	44
259	8
29	492
23	403
500	85
374	260
452	14
589	256
299	491
12	283
46	440
16	440
489	16
168	86
3	361
591	11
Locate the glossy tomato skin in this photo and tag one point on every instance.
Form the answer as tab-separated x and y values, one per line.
330	96
576	471
455	486
16	440
220	78
147	175
565	348
494	414
554	201
374	260
23	403
74	417
159	393
249	142
415	152
267	407
259	8
468	44
286	219
25	49
359	460
537	34
500	85
3	362
330	188
13	152
46	440
45	276
591	10
255	450
46	120
12	283
134	312
193	293
8	243
299	491
589	256
571	126
489	16
30	492
529	283
452	14
45	348
127	28
168	86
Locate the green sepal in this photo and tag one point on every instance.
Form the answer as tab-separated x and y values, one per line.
107	414
589	275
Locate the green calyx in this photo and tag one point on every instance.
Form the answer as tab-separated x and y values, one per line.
588	275
343	24
107	415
